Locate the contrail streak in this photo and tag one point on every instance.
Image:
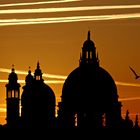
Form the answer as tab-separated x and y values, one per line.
47	81
73	18
10	22
63	77
129	99
37	3
127	84
67	9
25	73
2	109
62	81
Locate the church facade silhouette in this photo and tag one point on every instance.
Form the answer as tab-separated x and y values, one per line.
89	98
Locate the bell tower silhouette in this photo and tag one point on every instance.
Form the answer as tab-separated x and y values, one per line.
12	99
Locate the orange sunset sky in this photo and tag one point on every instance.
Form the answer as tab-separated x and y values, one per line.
53	31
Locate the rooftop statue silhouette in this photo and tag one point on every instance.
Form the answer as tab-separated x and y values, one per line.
136	125
89	98
128	122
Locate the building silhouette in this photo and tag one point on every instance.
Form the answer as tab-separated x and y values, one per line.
136	125
89	98
12	100
127	121
37	102
89	94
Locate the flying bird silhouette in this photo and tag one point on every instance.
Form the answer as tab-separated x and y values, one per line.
136	76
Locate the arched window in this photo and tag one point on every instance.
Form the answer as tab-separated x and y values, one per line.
104	120
37	77
90	54
9	94
86	54
76	120
16	94
13	94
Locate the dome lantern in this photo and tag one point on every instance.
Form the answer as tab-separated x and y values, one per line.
29	77
89	52
38	73
13	76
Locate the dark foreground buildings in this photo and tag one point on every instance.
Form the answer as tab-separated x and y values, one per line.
89	98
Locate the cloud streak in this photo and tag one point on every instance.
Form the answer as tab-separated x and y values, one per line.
62	81
129	99
46	81
37	3
127	84
14	22
25	73
62	77
67	9
2	109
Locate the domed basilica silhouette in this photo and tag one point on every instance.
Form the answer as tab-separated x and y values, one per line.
89	98
37	101
89	94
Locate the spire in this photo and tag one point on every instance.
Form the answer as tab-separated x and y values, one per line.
128	121
38	65
13	69
136	122
88	35
29	72
127	115
38	72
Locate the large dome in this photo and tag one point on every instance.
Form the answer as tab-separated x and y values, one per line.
41	94
90	87
89	94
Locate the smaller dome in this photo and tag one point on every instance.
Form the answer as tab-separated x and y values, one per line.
13	76
29	78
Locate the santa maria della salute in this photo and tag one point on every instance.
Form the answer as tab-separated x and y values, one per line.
89	98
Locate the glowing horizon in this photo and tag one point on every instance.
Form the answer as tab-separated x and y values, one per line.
3	109
68	9
36	3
